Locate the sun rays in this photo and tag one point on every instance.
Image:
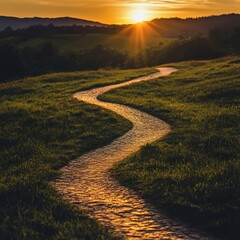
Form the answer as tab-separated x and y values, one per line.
137	37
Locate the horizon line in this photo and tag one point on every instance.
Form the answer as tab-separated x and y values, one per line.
79	18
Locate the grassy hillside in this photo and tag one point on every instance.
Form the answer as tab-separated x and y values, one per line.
42	129
83	42
195	171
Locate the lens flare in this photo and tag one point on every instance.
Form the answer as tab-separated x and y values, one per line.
139	14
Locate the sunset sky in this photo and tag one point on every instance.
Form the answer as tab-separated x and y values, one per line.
117	11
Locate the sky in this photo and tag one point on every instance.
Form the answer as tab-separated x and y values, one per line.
117	11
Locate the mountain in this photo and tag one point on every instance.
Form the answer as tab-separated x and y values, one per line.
16	23
173	27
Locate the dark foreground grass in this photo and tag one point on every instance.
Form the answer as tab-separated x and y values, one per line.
195	171
42	129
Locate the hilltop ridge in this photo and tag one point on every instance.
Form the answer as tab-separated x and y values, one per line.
18	23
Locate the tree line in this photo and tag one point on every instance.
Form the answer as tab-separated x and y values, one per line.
197	47
41	30
18	63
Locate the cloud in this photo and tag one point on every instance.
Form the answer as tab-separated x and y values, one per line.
125	3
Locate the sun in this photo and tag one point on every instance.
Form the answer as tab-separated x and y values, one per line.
139	14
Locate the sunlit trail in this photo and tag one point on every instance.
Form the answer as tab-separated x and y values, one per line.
87	183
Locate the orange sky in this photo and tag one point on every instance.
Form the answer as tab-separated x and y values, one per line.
117	11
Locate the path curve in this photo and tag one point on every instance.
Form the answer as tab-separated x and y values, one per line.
86	181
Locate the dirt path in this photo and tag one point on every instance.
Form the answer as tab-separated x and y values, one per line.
87	183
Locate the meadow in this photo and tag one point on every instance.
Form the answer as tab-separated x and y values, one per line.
42	129
194	172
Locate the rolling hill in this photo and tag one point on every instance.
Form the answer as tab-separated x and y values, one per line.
18	23
173	27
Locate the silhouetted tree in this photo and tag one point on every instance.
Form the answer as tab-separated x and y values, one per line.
235	40
101	56
11	63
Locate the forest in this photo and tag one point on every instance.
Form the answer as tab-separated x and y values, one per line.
27	61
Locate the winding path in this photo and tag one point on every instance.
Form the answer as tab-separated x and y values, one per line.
86	181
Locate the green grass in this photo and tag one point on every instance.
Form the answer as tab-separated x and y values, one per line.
83	42
194	172
42	129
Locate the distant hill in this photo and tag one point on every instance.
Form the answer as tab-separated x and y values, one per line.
17	23
172	27
165	27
